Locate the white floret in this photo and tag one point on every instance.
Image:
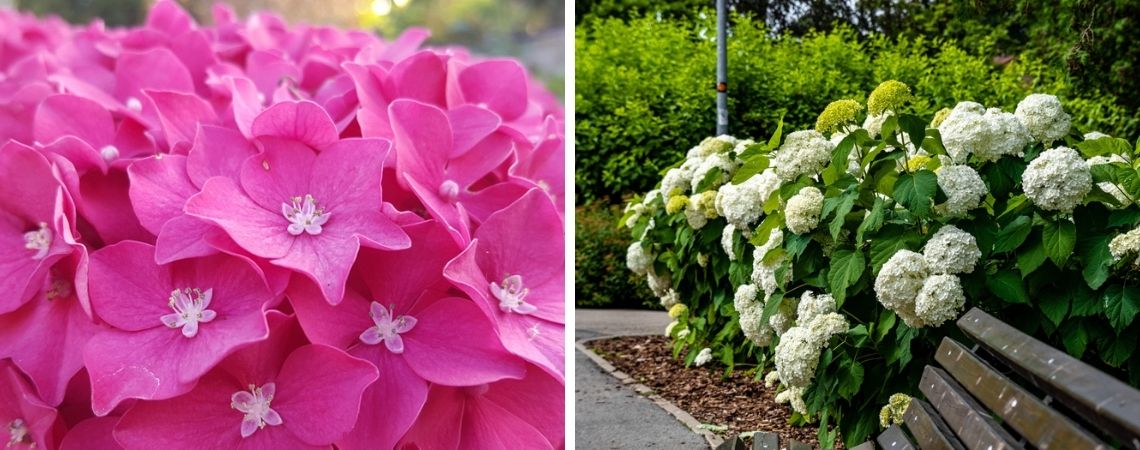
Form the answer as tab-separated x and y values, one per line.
723	162
797	356
637	259
1058	179
812	306
803	152
751	312
1043	117
900	279
964	189
874	123
802	212
1126	244
703	357
742	204
727	238
989	134
940	300
951	250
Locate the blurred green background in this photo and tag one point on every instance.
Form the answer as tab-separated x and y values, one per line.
530	30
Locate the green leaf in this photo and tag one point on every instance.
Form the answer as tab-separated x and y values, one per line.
890	241
914	127
845	204
933	142
915	191
796	244
1007	285
752	166
1013	234
1119	350
1096	257
764	230
1054	304
1121	303
1104	146
886	322
846	268
1120	217
1031	258
1075	338
711	177
1085	302
1059	238
772	306
873	221
774	141
850	379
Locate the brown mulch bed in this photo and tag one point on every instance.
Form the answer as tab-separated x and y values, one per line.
737	401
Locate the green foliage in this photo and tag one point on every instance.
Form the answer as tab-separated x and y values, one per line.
1046	272
601	279
645	88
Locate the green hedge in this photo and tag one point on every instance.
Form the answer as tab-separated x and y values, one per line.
645	89
601	279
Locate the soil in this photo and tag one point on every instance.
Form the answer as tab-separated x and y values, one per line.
737	401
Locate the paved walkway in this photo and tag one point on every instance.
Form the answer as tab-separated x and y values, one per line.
609	415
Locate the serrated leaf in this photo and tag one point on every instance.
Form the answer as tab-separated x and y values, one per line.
891	240
933	142
1104	146
1007	286
850	379
1084	301
1097	259
1075	338
1013	234
771	306
795	244
873	221
1054	304
885	324
751	167
1030	258
774	141
845	205
845	269
1059	238
914	127
915	191
764	230
1121	303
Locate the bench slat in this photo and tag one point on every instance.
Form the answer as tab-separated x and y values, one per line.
1101	399
894	439
797	445
864	446
1036	422
966	417
764	440
930	431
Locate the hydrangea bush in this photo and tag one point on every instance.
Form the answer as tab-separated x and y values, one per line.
834	260
262	236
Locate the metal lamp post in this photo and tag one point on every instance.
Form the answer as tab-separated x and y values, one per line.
721	71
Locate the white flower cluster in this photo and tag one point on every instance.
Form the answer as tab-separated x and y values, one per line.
802	213
785	315
952	251
764	275
924	289
700	208
989	134
797	354
727	238
723	162
677	179
741	146
771	378
670	299
712	145
803	152
751	313
1125	244
637	259
1057	179
1043	117
703	357
874	123
742	204
964	189
794	396
659	284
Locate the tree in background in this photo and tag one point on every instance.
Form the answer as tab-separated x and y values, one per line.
113	12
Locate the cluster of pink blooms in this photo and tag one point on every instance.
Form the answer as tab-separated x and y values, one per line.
261	236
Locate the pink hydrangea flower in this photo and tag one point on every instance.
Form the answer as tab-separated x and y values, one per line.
27	423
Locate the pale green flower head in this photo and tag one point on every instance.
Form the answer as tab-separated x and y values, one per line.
939	117
676	203
890	95
837	114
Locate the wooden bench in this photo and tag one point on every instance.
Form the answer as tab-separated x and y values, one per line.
762	441
1058	401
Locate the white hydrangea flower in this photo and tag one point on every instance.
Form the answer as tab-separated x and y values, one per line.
637	259
1125	244
900	279
797	356
703	357
812	306
803	152
676	179
951	250
718	161
713	145
989	134
742	204
751	312
695	216
785	315
660	285
638	209
827	325
1058	179
741	146
794	396
727	237
771	378
670	298
941	299
802	212
1044	117
874	123
764	275
964	189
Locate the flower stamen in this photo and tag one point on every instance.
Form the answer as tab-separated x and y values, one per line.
304	216
511	294
254	403
189	307
19	434
38	240
387	328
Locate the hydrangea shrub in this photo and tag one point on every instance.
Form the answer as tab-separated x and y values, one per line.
834	260
259	235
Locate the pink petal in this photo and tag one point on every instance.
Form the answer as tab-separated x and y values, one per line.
279	173
78	152
201	419
338	326
539	398
404	45
324	259
487	425
107	206
390	405
128	290
453	216
268	69
423	140
262	361
71	115
159	188
167	17
156	69
216	152
92	434
260	231
17	399
421	77
480	160
246	105
395	344
499	84
303	121
319	391
481	204
471	124
440	421
346	175
180	114
454	344
184	237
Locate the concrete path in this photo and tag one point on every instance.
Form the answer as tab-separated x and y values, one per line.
609	414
